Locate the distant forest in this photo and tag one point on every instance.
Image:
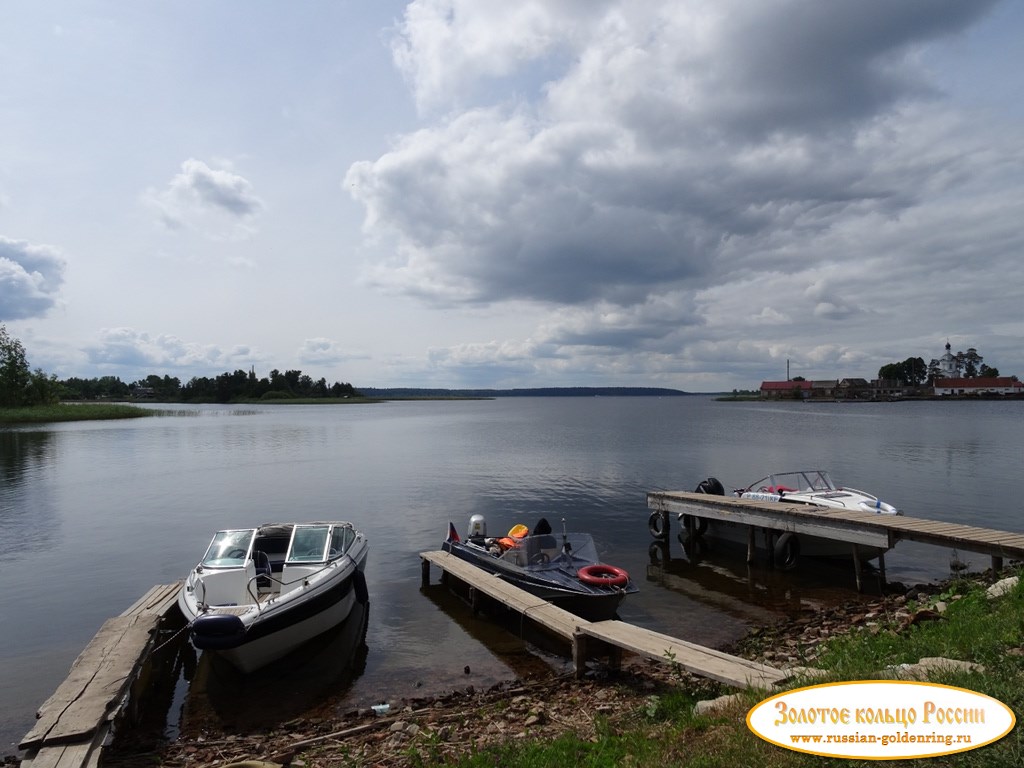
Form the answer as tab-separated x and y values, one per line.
225	388
244	386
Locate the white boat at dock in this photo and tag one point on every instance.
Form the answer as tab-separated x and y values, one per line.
260	593
809	487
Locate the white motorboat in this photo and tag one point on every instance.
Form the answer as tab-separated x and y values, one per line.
260	593
813	487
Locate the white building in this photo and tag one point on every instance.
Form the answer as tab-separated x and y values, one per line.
949	365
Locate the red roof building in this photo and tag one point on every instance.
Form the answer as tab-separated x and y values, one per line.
994	385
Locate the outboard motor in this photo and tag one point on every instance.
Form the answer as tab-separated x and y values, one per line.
477	527
712	486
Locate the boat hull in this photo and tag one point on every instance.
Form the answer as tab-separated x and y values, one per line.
563	590
252	619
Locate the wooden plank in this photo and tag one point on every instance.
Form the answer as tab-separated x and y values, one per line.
694	658
64	756
97	681
157	600
859	528
535	608
850	525
707	662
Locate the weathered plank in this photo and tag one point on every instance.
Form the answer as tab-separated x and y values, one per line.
842	525
157	600
83	755
97	681
694	658
707	662
535	608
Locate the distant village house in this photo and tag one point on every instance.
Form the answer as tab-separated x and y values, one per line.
947	381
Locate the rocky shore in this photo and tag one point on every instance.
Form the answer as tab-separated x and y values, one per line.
432	730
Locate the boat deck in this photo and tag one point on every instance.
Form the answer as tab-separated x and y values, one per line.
696	659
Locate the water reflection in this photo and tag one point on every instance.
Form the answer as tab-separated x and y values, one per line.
311	679
27	512
717	575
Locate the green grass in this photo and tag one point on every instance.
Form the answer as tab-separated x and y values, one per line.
43	414
664	731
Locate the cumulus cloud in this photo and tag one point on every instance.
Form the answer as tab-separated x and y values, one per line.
30	279
142	353
325	352
792	160
216	202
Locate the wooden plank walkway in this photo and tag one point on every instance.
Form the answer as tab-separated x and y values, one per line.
72	724
696	659
841	524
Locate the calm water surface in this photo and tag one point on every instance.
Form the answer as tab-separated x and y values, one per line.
93	514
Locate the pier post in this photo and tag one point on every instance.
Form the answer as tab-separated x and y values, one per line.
579	654
856	566
751	543
997	564
881	572
424	572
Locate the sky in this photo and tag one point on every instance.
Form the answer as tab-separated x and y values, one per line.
696	194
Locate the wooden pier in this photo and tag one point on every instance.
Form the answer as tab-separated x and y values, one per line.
618	635
73	723
854	527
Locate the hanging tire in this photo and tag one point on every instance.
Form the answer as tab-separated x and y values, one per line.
787	551
700	524
657	524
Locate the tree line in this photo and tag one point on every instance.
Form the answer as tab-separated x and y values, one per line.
914	372
20	386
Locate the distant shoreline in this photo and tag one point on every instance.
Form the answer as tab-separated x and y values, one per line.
400	393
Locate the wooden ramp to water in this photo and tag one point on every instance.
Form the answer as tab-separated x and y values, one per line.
696	659
854	527
73	723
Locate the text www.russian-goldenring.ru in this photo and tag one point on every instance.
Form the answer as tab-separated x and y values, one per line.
885	739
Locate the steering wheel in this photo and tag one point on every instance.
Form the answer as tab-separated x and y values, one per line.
235	553
541	558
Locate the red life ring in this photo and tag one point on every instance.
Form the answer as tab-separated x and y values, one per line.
603	575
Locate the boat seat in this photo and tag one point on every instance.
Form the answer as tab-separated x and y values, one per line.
263	570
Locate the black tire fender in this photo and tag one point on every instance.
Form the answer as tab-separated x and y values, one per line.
787	551
700	524
657	524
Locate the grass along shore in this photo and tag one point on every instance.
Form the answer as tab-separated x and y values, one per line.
91	411
647	714
42	414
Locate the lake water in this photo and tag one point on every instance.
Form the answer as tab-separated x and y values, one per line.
93	514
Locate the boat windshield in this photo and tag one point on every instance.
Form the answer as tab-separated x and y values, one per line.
793	482
539	551
229	549
309	544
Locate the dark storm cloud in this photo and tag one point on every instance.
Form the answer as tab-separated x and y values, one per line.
800	66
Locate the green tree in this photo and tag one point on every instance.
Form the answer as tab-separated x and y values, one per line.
910	372
15	376
20	386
